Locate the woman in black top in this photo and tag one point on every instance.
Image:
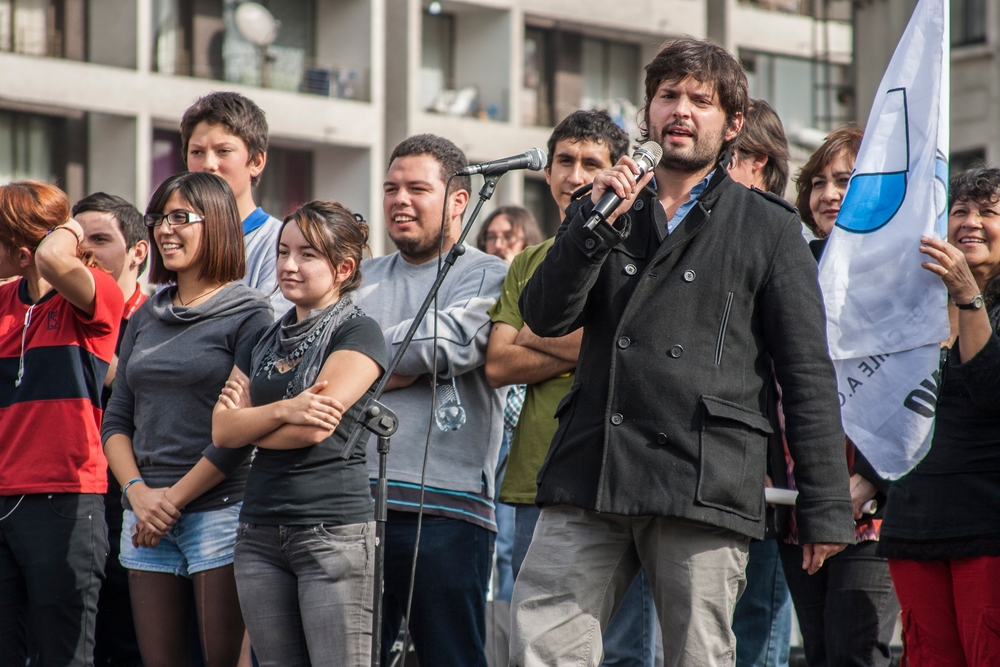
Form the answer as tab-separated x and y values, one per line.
942	521
304	565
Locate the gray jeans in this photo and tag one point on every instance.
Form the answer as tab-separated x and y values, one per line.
306	592
580	565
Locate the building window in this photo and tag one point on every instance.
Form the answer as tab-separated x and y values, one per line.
805	93
286	183
437	62
566	71
538	199
968	22
54	28
27	147
201	38
167	157
962	160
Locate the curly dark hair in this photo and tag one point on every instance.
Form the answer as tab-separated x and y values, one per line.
590	125
979	184
449	156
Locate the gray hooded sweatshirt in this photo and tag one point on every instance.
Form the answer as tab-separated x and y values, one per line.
173	363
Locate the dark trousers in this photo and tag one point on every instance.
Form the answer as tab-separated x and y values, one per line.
847	611
448	623
52	553
116	645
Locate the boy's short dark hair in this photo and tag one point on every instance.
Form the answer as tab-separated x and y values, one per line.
707	63
762	134
449	156
222	232
128	217
238	114
590	125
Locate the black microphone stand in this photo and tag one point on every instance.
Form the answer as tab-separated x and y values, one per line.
382	421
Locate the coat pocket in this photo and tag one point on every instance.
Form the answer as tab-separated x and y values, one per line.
733	443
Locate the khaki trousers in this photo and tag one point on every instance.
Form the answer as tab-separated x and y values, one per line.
580	565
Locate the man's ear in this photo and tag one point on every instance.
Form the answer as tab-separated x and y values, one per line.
734	127
457	201
138	253
257	164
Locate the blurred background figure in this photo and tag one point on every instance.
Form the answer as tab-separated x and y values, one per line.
941	524
762	620
507	231
847	611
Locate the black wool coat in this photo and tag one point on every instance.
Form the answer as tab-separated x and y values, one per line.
668	415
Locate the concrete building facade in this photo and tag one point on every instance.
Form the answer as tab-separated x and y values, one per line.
92	91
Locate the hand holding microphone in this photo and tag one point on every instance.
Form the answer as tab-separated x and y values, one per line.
615	189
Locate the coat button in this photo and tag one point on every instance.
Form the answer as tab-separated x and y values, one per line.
689	276
638	205
676	351
624	342
661	438
630	269
617	419
590	243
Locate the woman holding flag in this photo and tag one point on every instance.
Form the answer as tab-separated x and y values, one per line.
942	524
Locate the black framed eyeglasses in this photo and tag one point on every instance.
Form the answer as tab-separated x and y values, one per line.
175	218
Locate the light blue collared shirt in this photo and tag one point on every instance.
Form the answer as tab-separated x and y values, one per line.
686	207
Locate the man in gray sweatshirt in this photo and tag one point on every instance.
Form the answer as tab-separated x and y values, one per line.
449	598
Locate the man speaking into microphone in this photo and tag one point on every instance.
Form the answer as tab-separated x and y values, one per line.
688	292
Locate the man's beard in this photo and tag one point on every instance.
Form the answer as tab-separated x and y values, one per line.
704	152
419	247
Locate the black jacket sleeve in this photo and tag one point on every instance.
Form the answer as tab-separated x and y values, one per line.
553	301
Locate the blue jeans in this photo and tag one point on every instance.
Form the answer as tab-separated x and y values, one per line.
630	638
762	622
448	620
199	541
504	586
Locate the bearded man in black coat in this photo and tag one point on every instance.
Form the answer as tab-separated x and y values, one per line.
689	294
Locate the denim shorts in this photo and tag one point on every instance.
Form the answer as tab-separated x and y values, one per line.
199	541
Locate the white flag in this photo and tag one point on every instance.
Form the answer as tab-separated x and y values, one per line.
886	316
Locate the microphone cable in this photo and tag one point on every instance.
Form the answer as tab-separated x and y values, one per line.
430	425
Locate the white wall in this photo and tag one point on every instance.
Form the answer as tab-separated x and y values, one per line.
110	163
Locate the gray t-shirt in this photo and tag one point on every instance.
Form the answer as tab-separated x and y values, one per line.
391	292
172	366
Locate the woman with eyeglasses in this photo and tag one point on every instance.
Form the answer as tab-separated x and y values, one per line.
58	328
182	495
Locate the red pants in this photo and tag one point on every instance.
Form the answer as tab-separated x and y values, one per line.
951	611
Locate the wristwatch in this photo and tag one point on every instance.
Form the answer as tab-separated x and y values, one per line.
975	304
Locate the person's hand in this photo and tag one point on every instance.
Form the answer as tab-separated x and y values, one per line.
814	555
236	393
769	484
861	492
950	264
143	535
152	508
310	408
622	179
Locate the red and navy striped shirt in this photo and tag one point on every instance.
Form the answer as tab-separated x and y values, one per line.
50	424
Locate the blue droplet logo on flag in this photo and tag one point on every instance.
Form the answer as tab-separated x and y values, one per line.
873	199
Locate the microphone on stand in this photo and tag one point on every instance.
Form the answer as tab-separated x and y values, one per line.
647	156
533	159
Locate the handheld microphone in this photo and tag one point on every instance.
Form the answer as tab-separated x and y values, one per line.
533	159
647	156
